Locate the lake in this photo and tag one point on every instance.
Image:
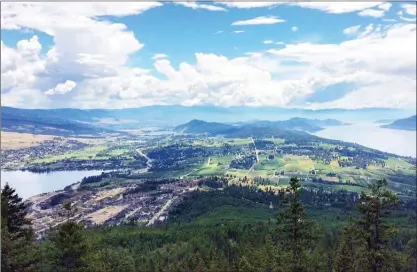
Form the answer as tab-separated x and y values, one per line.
28	184
400	142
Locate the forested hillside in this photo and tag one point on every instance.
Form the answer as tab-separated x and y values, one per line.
229	228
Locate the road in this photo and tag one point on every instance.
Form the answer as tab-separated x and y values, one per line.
256	150
148	162
208	162
161	211
256	155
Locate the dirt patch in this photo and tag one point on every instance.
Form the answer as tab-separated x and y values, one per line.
108	193
100	216
14	140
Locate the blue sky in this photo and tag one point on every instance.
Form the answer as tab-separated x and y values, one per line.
106	55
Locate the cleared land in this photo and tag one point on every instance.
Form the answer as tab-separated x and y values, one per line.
14	140
104	214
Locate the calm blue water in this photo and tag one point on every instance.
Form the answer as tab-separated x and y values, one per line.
28	184
400	142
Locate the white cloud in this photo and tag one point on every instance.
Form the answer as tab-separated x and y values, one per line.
410	13
410	9
95	54
337	7
238	31
280	43
372	62
268	42
159	56
194	5
261	20
294	28
218	32
247	5
62	88
385	6
328	7
351	30
20	66
376	13
78	29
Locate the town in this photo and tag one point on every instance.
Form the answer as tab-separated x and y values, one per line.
126	203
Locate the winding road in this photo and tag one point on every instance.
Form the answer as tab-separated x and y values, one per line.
148	162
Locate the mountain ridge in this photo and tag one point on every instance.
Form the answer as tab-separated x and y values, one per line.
403	124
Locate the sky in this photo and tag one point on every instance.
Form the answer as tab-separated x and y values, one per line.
121	55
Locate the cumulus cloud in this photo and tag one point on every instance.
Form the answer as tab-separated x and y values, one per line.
285	76
268	42
261	20
62	88
351	30
238	31
294	28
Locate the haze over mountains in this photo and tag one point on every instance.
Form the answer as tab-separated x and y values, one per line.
77	121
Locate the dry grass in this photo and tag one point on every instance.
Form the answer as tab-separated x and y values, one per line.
14	140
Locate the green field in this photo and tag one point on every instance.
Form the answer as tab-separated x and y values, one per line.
83	154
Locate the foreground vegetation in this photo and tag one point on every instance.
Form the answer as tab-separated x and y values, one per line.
229	228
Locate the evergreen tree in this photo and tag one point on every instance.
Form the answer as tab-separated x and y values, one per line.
69	243
13	213
345	255
373	232
18	250
293	225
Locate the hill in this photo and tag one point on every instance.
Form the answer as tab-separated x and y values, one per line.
45	122
256	127
198	126
403	124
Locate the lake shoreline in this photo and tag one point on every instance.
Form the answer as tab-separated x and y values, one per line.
397	142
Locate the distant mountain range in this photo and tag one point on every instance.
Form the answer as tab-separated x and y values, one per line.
403	124
293	124
93	121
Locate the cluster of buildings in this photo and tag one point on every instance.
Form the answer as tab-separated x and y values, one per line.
16	158
112	206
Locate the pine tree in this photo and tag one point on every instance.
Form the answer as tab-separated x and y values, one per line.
18	250
293	224
373	232
345	254
70	244
13	213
